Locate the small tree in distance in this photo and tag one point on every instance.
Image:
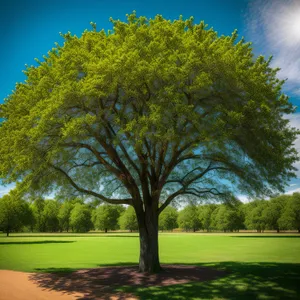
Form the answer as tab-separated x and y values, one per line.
80	218
188	218
273	211
152	111
106	216
254	215
50	214
64	215
205	215
168	219
290	217
14	212
128	219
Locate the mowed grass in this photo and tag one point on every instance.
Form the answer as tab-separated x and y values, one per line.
259	266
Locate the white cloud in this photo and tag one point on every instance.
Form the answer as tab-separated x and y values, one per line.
293	191
274	28
5	189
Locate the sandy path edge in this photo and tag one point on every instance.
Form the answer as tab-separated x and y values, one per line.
15	285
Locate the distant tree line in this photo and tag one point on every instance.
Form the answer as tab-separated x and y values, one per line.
47	215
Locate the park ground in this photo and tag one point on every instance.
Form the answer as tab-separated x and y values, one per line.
254	266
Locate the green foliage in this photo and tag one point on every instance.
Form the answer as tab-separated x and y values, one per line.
64	215
290	217
273	211
14	212
168	219
139	104
38	209
128	219
188	218
227	218
254	215
205	215
106	216
50	213
80	219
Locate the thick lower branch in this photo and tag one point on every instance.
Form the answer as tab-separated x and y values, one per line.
88	192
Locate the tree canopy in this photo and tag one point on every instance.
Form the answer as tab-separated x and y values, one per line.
149	112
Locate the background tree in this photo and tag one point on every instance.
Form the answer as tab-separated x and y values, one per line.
64	215
50	214
128	219
153	111
80	219
205	215
106	217
290	217
168	219
254	215
14	212
28	219
273	212
227	218
38	212
188	218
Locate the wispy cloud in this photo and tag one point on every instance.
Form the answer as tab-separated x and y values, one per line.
274	28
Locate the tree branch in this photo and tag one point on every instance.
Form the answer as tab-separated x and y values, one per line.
88	192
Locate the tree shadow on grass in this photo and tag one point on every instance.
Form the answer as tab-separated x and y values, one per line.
245	281
56	270
35	242
238	281
267	236
105	235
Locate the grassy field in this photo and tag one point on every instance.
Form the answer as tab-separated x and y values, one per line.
259	266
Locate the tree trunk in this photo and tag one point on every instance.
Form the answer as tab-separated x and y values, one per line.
7	231
298	230
148	231
105	230
277	230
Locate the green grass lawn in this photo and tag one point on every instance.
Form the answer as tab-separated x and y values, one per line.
259	266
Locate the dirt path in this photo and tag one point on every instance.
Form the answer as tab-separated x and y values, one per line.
97	283
18	286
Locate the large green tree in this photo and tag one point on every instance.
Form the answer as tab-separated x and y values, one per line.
149	112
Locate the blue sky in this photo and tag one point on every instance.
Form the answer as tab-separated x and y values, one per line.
29	29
